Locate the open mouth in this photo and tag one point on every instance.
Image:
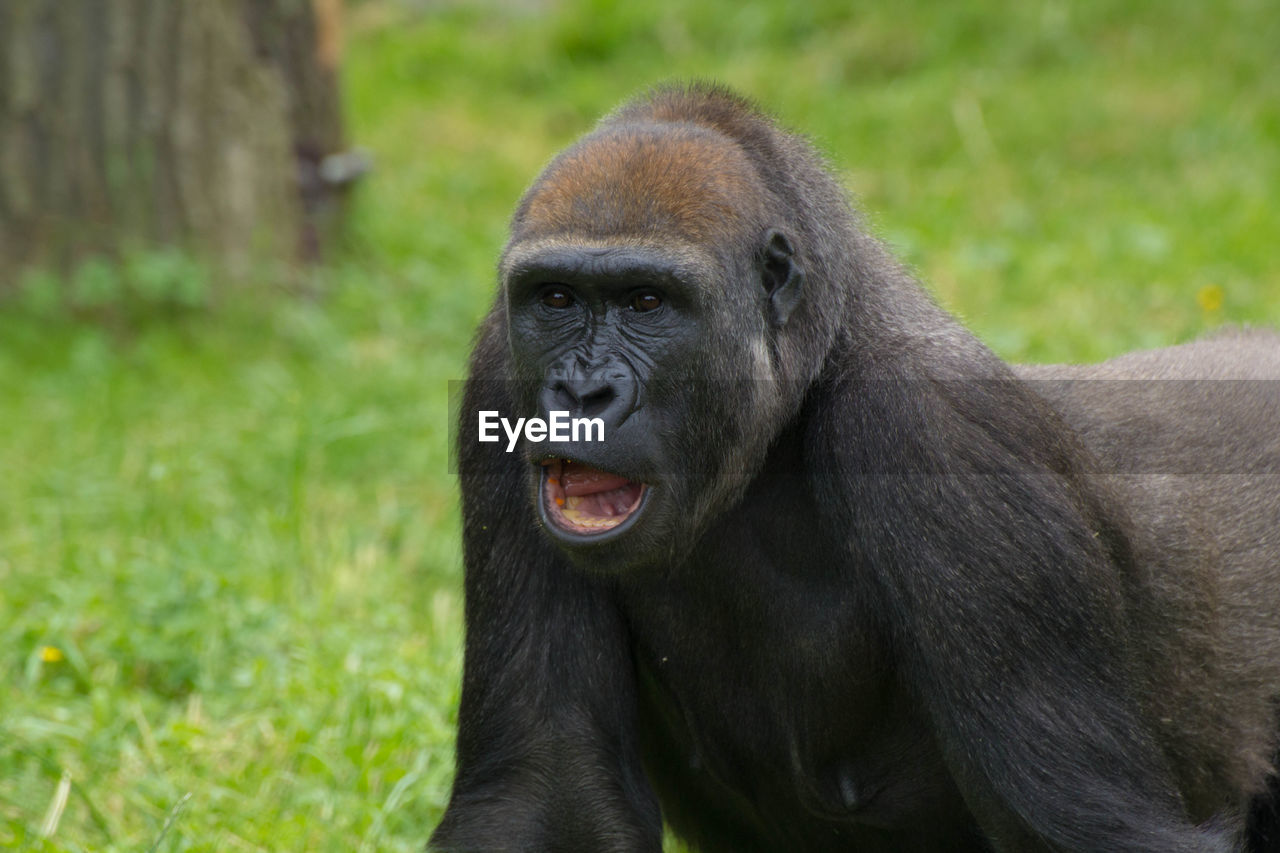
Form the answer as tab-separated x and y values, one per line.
585	500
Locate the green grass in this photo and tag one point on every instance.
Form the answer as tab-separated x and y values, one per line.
229	561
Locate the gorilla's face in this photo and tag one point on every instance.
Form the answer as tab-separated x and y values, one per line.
642	294
614	338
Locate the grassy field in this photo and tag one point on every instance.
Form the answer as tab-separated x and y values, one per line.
230	610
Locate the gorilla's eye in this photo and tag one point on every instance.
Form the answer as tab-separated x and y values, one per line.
645	301
556	297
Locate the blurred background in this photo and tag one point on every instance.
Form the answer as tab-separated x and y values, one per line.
243	247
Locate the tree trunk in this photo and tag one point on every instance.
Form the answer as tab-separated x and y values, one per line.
127	124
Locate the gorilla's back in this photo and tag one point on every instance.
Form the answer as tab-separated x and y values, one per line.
1207	407
1190	439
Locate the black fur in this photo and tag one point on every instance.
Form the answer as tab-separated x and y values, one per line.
886	593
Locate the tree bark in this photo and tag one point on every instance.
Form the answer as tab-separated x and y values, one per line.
127	124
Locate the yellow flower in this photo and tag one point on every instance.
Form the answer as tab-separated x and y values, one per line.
1210	297
51	654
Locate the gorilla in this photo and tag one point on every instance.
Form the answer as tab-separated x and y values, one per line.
837	577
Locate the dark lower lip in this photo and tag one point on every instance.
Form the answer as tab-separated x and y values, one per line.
570	536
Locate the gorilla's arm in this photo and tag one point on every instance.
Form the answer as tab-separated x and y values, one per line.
546	755
1007	589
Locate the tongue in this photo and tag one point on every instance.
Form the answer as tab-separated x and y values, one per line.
579	480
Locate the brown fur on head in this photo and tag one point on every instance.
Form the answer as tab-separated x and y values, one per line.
687	184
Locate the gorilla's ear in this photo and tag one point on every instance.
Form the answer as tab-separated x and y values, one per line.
782	277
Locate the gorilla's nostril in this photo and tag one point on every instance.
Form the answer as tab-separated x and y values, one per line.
563	398
596	402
